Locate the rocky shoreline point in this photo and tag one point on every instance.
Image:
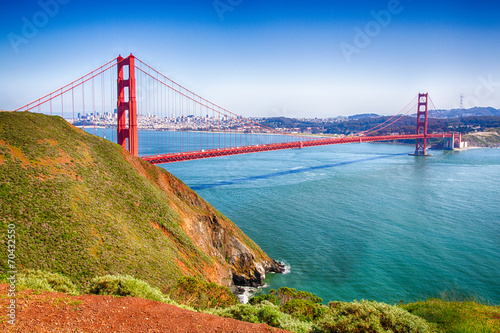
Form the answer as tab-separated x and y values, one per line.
256	278
244	287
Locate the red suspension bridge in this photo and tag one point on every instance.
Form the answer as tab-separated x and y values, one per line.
145	105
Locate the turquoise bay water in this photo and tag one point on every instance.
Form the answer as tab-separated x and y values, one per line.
389	229
365	221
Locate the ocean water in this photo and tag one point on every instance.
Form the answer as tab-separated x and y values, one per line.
365	221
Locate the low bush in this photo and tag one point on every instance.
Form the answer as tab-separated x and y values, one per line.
41	280
304	309
370	316
286	294
201	295
264	313
125	285
273	299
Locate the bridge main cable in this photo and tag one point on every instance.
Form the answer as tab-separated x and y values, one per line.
53	94
214	107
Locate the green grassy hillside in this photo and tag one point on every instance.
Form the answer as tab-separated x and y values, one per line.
84	207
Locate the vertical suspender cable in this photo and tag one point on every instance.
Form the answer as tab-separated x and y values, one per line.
73	102
157	111
181	109
219	123
160	111
62	105
111	101
94	113
168	120
83	104
103	109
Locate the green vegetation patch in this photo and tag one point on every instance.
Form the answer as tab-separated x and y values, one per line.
40	280
455	317
273	299
370	316
125	285
201	295
286	294
265	313
304	309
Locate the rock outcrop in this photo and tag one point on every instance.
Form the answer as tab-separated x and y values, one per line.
240	261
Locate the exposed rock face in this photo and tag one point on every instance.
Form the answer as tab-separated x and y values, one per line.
248	271
240	261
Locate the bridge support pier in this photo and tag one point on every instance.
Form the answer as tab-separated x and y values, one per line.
459	143
454	142
128	105
449	143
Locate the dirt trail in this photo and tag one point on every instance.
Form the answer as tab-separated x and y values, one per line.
58	312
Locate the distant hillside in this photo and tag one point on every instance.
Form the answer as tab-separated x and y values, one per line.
473	112
363	116
84	207
490	138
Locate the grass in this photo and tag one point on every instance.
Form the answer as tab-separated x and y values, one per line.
202	295
84	208
458	317
370	316
265	313
40	280
125	285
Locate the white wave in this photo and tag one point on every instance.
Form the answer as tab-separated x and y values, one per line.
245	293
288	269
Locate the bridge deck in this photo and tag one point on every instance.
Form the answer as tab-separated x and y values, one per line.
194	155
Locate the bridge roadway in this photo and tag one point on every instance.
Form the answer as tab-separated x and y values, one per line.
208	153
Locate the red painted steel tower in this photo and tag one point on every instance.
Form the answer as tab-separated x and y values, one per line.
422	112
127	105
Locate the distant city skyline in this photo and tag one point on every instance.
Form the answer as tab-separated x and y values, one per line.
301	59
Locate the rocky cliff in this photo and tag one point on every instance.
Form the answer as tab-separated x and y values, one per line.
84	207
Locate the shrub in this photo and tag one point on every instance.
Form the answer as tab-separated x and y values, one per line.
41	280
265	313
125	285
303	309
202	295
370	316
273	299
286	294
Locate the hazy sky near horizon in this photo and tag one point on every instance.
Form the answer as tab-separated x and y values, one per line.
313	58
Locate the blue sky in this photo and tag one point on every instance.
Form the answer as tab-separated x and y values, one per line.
265	58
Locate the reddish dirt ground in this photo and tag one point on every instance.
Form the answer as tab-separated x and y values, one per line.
58	312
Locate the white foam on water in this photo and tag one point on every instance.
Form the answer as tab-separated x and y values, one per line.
248	292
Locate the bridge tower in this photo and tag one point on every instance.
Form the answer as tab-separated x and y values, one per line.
422	118
127	106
